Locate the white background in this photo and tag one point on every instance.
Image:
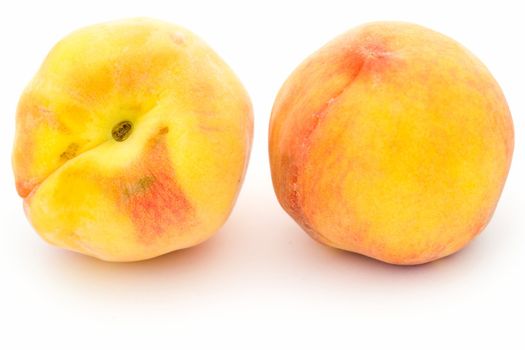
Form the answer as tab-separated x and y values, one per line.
261	282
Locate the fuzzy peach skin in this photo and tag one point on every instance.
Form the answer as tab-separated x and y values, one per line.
168	183
392	141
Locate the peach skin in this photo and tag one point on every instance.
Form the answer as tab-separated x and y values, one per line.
132	141
391	141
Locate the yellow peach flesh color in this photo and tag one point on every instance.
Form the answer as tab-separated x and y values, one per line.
132	141
392	141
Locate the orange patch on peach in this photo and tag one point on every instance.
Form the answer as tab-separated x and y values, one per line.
363	60
91	88
32	112
151	195
24	187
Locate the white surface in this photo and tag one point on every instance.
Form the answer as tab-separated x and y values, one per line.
261	282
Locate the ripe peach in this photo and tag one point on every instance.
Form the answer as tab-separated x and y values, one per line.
132	141
392	141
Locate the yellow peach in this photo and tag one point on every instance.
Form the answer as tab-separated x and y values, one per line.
392	141
132	141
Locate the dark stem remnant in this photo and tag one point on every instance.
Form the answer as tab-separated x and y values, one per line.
122	130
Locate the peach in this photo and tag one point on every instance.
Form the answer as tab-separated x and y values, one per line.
392	141
132	141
